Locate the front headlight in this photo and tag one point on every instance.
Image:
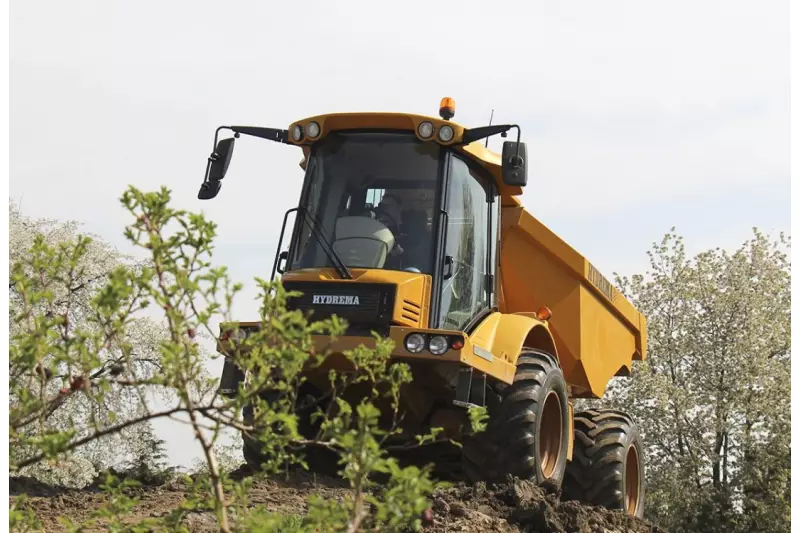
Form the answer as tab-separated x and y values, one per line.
438	345
415	343
238	335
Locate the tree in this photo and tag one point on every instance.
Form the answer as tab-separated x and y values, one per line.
713	396
73	288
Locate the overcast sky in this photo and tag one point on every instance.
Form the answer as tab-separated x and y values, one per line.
639	116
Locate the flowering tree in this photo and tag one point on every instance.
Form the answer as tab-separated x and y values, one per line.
70	269
713	396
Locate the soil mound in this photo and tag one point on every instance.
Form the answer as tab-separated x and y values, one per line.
516	506
520	506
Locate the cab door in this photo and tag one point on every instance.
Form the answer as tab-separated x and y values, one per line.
469	248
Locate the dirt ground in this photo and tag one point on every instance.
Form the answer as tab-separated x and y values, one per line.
513	507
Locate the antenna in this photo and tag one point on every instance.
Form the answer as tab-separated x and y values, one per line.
490	123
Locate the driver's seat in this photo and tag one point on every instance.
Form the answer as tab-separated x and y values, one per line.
362	242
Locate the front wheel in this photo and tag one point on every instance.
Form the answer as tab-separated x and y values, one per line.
320	460
607	467
527	434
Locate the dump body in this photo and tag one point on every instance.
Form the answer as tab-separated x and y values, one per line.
597	332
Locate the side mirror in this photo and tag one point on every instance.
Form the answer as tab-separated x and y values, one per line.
218	166
220	159
515	169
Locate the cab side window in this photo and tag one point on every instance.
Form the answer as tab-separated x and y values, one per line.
467	247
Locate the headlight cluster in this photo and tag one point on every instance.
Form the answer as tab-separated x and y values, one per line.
436	344
426	130
311	130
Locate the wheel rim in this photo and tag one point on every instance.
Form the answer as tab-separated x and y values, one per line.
550	431
632	481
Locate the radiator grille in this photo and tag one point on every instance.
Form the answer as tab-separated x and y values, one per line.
361	304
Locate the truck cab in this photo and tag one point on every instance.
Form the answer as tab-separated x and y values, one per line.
405	213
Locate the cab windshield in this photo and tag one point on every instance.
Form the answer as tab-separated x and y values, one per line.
372	196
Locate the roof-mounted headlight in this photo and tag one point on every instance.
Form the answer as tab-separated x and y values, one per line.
425	130
297	133
312	129
446	134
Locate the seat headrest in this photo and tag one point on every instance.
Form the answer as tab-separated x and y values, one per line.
363	228
362	241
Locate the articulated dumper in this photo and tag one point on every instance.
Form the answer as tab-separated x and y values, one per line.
410	227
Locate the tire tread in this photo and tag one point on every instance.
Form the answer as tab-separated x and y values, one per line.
596	473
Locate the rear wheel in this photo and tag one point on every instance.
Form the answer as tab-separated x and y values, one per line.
607	467
527	434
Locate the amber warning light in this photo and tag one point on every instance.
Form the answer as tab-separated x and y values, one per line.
447	108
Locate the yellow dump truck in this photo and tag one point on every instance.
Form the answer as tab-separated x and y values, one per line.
409	226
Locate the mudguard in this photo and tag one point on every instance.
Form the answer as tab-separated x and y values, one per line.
504	335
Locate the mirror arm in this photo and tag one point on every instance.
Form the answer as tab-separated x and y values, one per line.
476	134
214	155
484	132
208	166
516	162
271	134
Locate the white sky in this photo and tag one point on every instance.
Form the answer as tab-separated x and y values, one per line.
639	116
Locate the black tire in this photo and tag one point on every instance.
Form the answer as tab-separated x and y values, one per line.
319	460
523	438
251	448
607	467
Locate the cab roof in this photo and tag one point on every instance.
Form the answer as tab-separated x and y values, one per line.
475	151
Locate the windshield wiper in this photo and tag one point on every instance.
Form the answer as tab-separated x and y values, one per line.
341	268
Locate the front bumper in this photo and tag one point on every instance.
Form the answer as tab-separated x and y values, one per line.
468	356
